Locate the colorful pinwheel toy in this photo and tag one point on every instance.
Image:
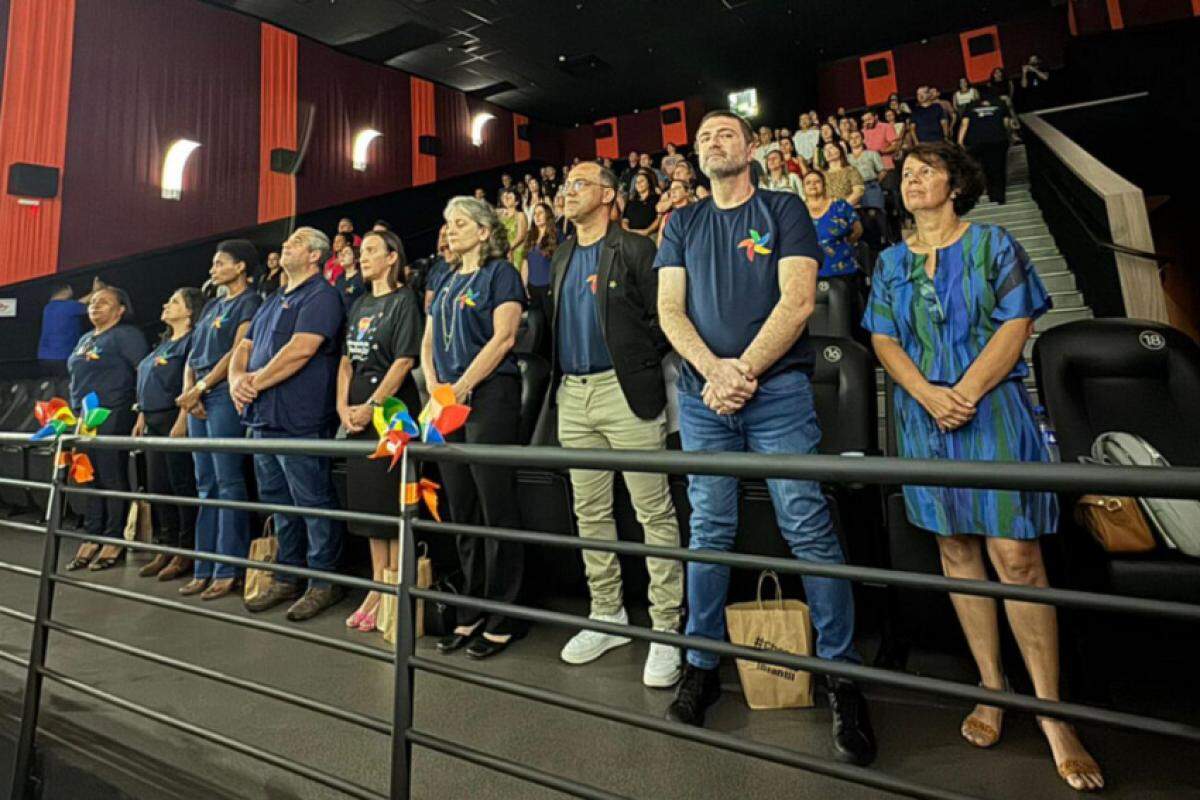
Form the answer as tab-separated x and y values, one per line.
56	418
452	416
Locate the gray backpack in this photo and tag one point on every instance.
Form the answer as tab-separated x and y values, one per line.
1175	522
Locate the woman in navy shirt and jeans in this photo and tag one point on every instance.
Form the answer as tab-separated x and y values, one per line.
159	384
104	361
220	476
468	343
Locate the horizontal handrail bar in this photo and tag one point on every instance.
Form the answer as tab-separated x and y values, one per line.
916	580
723	741
20	569
290	632
516	770
213	737
1181	482
27	527
23	663
842	669
345	715
266	566
23	484
13	613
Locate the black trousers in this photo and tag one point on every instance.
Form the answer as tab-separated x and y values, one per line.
106	517
994	160
478	495
174	474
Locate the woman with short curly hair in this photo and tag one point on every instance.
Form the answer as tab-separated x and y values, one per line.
950	312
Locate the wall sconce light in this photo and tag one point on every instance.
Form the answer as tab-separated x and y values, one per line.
362	141
172	174
481	119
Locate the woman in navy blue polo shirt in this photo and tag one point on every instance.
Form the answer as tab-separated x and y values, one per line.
383	342
476	309
105	361
159	384
220	476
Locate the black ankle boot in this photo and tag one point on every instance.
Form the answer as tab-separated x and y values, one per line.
698	690
853	738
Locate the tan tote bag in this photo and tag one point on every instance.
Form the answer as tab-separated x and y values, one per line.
386	621
264	549
781	625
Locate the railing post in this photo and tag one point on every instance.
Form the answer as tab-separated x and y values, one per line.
22	777
405	643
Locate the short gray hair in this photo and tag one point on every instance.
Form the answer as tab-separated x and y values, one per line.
483	215
316	240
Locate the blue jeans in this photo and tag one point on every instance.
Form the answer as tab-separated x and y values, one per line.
779	418
220	476
305	481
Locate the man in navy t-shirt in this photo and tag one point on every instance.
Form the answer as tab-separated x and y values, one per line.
282	379
929	120
737	280
63	321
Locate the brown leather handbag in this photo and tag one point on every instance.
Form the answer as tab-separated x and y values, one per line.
1115	522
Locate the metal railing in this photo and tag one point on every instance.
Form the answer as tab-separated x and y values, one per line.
1177	482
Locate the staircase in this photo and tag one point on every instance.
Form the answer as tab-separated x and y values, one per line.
1021	217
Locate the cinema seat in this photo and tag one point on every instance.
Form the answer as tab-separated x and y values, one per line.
833	313
1123	375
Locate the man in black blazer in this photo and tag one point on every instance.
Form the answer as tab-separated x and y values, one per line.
607	355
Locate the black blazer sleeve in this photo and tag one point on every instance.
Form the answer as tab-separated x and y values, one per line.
641	266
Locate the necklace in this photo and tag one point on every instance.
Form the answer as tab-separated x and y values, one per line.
953	234
450	306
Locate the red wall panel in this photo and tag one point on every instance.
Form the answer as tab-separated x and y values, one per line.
675	133
522	148
579	142
1091	16
277	122
877	89
459	156
1148	12
936	63
641	131
33	130
348	96
609	146
979	68
129	102
839	83
423	120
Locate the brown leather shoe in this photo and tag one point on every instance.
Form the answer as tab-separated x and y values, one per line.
179	566
155	566
218	589
314	602
280	592
194	586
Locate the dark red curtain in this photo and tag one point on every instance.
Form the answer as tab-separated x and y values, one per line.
350	95
521	147
455	111
142	79
277	126
423	113
33	130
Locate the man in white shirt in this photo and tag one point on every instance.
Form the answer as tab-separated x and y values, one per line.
805	139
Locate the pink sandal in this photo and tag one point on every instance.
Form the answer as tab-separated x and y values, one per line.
367	623
355	619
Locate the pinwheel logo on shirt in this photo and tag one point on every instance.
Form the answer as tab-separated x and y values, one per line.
467	299
160	361
591	279
93	354
756	243
56	418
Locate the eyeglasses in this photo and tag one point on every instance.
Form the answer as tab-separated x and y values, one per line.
576	186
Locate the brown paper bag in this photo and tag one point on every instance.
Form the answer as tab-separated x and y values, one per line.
139	526
264	549
781	625
386	621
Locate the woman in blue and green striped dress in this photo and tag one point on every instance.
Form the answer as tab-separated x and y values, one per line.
950	312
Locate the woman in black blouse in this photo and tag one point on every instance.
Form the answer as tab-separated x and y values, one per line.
639	214
105	362
383	343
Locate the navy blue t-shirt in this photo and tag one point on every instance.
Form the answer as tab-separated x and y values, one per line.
62	325
214	333
732	261
106	364
461	312
303	405
928	122
160	374
350	288
581	347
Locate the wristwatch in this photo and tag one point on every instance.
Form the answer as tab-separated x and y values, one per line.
202	386
373	403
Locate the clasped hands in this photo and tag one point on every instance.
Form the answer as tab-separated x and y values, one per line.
950	407
243	391
730	386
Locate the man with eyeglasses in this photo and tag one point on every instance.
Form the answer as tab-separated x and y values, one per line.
737	282
607	356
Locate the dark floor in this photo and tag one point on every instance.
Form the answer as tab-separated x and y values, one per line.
132	757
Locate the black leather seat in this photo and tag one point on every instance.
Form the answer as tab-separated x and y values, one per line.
15	459
1123	375
833	313
531	335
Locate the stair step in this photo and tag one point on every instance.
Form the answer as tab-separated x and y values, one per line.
1026	229
1056	317
1048	265
1067	299
1057	281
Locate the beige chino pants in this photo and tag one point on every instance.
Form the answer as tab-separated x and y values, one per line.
593	413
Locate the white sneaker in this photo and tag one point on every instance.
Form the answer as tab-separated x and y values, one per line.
587	646
664	666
